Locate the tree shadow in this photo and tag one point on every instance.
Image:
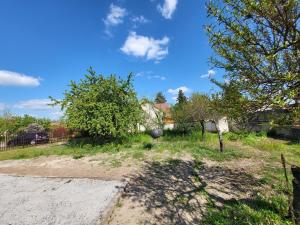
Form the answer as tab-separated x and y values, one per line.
177	191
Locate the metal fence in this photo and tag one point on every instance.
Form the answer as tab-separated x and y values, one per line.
13	141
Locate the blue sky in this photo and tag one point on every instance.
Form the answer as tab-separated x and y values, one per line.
46	43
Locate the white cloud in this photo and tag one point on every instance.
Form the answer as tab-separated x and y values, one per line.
175	91
168	8
35	104
209	74
9	78
114	17
156	77
2	106
137	20
143	46
149	75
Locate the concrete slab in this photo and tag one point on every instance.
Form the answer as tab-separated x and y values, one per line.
45	201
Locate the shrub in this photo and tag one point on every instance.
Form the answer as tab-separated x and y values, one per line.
34	128
148	145
59	131
99	106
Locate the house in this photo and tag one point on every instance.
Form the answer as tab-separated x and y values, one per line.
262	120
222	124
167	117
159	116
153	117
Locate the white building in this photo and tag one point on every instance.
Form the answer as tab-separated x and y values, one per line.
158	115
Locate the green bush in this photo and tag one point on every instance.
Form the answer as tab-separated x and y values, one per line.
100	106
148	145
88	146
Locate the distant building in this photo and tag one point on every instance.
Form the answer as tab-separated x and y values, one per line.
167	117
153	117
159	116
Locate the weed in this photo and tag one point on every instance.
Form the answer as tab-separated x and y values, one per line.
78	156
147	145
115	163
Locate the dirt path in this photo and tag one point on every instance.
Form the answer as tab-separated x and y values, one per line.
66	166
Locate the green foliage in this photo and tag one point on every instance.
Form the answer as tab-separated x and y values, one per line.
14	124
148	145
179	114
99	106
183	123
181	99
257	43
160	98
230	102
199	107
192	114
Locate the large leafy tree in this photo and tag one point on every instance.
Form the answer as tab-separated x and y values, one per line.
198	109
258	44
180	113
192	112
233	104
160	98
101	106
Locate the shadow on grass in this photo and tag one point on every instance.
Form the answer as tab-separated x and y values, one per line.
178	192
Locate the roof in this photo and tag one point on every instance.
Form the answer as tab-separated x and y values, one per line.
165	107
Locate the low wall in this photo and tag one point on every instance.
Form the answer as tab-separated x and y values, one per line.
287	132
283	131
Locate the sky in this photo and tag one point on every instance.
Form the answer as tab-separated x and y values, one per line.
46	43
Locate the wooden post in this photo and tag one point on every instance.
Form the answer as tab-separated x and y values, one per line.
220	135
296	193
5	140
202	122
291	212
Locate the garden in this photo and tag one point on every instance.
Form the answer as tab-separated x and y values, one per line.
244	171
183	178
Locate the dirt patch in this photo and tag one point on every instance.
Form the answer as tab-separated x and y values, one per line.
178	191
98	166
166	191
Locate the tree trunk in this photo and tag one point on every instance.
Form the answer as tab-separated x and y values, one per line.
296	193
202	129
220	136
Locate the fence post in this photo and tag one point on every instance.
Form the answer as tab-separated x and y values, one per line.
5	140
296	193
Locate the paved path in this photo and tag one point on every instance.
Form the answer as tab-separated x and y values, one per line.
45	201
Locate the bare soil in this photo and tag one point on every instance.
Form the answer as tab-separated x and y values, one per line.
66	166
171	192
177	193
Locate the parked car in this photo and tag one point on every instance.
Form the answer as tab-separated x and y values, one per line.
29	139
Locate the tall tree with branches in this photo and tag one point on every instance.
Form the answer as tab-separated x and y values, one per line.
160	98
258	45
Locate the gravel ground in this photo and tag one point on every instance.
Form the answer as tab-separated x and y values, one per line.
41	201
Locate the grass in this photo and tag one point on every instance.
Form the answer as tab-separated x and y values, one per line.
260	210
265	208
